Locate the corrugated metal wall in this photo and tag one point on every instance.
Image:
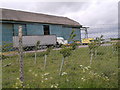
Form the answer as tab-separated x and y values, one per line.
37	29
34	29
16	26
7	33
56	29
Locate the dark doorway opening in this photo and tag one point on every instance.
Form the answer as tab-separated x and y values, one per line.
46	30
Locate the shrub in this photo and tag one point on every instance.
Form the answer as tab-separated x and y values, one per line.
65	52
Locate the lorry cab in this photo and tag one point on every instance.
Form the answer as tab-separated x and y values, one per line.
86	41
61	40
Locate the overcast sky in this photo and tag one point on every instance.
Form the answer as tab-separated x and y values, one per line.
100	15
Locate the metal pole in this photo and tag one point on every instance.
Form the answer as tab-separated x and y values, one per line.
21	54
86	33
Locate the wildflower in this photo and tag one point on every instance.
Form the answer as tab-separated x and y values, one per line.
95	74
83	70
17	78
46	78
51	77
27	84
46	74
106	78
30	70
64	73
67	80
114	73
21	81
16	87
51	86
86	68
102	73
42	76
42	81
78	87
83	79
36	75
91	73
81	65
98	75
55	86
89	67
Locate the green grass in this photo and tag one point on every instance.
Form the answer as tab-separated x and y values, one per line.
103	73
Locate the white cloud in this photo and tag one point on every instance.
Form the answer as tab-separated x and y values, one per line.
88	13
97	13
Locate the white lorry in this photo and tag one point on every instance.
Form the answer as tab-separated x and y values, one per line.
30	41
60	40
45	40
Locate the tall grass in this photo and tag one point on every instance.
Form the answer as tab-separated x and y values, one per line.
76	72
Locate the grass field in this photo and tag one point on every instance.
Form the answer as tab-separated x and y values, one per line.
76	73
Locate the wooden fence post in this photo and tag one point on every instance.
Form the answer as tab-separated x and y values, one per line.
61	66
45	61
21	54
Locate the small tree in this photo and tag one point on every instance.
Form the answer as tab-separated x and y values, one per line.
71	39
5	47
65	53
36	48
93	47
47	52
116	47
98	43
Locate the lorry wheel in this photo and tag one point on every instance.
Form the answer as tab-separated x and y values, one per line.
29	48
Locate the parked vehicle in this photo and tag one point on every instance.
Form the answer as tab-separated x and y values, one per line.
60	40
45	41
86	41
106	40
30	41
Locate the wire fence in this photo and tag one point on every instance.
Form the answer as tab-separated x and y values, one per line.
68	66
108	30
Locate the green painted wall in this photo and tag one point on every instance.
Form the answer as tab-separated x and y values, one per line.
34	29
10	28
16	27
57	30
7	33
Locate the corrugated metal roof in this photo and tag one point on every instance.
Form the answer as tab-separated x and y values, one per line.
15	15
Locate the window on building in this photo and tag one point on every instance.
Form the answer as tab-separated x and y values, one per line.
46	29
